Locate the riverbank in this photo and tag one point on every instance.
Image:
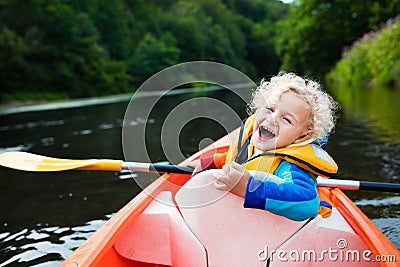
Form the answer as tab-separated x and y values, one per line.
19	106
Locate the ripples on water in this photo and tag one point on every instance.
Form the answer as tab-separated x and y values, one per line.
367	146
46	216
45	245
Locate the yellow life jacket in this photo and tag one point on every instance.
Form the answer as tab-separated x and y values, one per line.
306	155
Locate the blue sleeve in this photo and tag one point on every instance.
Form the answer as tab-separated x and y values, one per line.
296	198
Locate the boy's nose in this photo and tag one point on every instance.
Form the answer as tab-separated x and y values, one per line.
274	118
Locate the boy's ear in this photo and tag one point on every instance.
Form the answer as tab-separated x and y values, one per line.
306	135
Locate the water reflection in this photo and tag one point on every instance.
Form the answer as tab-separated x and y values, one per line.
361	153
379	105
366	146
372	114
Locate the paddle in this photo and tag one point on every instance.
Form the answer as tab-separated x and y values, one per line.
30	162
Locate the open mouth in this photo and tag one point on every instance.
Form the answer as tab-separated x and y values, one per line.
265	133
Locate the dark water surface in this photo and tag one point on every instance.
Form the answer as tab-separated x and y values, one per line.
45	216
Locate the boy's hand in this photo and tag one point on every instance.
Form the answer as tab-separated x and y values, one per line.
196	164
234	179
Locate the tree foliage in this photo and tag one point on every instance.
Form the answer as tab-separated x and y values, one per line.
56	50
316	31
97	47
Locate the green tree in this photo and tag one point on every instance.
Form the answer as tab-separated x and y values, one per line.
93	47
257	20
13	62
152	55
262	50
64	54
205	30
111	20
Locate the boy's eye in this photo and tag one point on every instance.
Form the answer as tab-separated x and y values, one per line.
269	109
287	120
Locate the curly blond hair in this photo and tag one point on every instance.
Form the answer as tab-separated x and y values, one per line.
323	107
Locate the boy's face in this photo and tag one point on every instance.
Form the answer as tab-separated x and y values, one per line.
282	124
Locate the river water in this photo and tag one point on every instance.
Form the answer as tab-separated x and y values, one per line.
45	216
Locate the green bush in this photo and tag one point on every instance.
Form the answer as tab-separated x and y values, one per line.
384	57
374	59
353	68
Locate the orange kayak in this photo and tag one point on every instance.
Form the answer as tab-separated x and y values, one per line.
163	226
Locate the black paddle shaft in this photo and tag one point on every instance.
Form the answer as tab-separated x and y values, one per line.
163	168
377	186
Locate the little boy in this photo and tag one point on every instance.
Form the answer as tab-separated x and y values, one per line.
292	118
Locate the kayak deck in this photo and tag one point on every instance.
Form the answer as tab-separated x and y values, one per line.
161	227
